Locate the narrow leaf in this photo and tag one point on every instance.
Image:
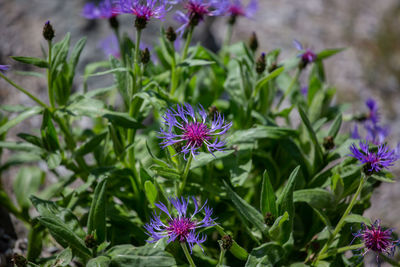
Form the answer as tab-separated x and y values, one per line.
268	198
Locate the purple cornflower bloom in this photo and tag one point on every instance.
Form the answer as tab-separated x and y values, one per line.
145	10
354	134
307	56
106	9
197	10
180	225
377	240
110	46
373	162
376	134
373	114
4	68
237	9
190	131
304	91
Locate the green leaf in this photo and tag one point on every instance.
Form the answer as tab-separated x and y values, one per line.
146	256
313	136
97	214
64	258
90	145
268	199
337	185
264	80
21	117
27	182
268	254
101	261
286	204
31	139
335	127
355	218
276	229
19	146
53	160
151	192
62	225
111	71
35	241
59	56
261	132
49	133
195	63
317	198
328	53
204	158
122	120
76	53
248	212
38	62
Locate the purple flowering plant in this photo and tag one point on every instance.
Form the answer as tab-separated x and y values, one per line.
116	168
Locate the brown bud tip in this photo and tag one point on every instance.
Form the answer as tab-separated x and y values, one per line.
253	42
145	56
329	143
227	242
170	34
48	31
90	241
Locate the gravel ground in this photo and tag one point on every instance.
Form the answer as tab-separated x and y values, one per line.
369	67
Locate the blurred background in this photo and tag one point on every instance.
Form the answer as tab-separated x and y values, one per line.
369	67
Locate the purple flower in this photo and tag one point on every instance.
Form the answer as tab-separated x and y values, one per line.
376	134
373	162
354	133
190	131
110	46
106	9
237	9
179	225
376	239
197	10
304	91
4	68
145	10
307	56
373	114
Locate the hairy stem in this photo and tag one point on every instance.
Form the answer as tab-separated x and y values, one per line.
187	254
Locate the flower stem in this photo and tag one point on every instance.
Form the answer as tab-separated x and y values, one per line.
188	40
24	91
340	250
342	220
221	257
289	89
49	80
187	254
185	175
137	45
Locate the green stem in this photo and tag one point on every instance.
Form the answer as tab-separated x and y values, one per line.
187	254
137	46
188	40
340	250
49	80
221	257
185	175
289	89
342	220
24	91
121	48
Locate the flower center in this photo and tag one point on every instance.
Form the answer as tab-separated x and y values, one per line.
197	12
376	240
236	11
180	227
195	133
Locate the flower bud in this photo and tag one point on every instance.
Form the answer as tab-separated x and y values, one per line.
227	242
48	31
328	143
253	42
145	56
261	64
90	241
170	34
269	219
19	260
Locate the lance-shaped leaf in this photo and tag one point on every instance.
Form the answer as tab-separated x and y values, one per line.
268	198
268	254
97	215
21	117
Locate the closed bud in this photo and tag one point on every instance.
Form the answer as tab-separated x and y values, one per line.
145	56
90	241
253	42
328	143
227	242
19	260
269	219
261	64
48	31
170	34
113	22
